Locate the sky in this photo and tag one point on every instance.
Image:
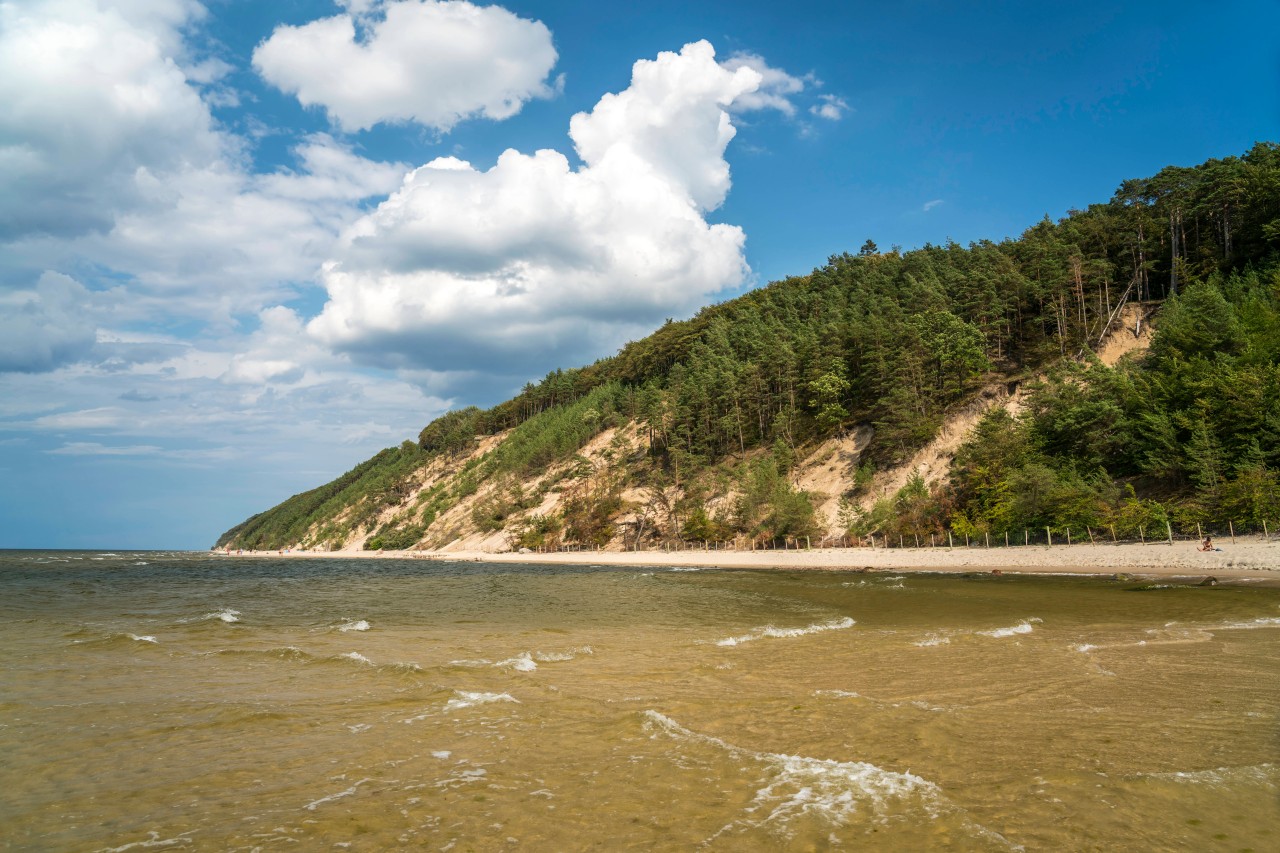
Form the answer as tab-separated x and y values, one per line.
246	245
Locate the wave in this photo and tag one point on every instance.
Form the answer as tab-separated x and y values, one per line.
559	657
357	625
1252	624
528	661
154	841
770	632
933	640
795	787
1266	775
467	699
226	615
311	806
1023	627
357	657
123	639
520	663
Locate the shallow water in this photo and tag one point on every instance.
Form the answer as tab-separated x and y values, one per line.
187	701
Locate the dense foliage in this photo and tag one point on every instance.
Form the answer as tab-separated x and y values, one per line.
895	340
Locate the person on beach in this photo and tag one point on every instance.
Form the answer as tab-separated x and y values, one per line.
1208	545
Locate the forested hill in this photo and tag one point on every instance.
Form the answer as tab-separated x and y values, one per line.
704	429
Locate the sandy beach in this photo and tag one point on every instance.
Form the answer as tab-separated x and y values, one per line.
1252	559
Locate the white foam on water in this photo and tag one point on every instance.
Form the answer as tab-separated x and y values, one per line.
796	786
1084	648
442	754
557	657
1267	775
933	640
770	632
359	727
520	663
914	703
358	625
402	666
1260	622
143	639
225	615
686	568
467	699
357	657
893	582
312	805
463	777
1023	627
154	841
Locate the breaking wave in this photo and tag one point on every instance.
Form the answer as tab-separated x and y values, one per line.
770	632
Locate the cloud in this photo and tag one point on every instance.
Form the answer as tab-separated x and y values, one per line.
832	107
535	261
45	329
930	205
93	448
434	62
775	89
112	164
88	97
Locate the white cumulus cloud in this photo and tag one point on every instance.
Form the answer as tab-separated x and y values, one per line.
539	261
111	160
89	94
434	62
776	88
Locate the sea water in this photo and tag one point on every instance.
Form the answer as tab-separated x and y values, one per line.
193	701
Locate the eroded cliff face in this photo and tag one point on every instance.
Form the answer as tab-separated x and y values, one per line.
606	495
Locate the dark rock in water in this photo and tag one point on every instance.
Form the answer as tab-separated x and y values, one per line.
1122	576
1209	581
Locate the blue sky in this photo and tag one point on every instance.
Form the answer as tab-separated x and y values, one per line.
245	245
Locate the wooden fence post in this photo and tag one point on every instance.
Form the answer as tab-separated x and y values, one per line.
1049	535
1232	528
950	544
1169	528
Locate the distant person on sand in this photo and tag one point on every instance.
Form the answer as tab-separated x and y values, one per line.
1208	545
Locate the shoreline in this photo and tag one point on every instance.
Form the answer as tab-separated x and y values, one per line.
1255	560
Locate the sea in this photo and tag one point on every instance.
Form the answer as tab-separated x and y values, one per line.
193	701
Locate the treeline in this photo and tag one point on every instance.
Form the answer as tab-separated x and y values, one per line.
1188	435
894	339
897	339
351	501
